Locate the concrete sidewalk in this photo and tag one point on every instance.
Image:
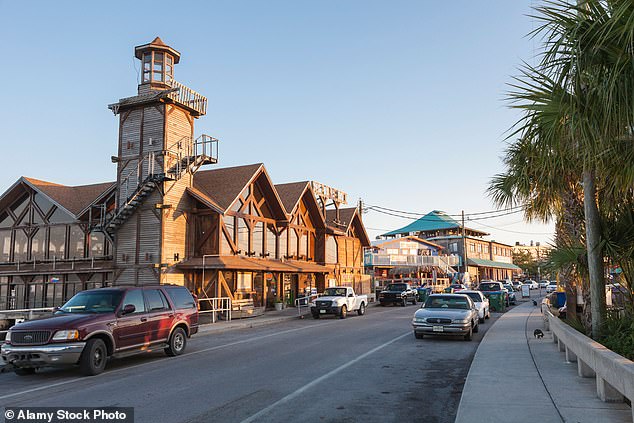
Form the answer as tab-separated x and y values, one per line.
517	378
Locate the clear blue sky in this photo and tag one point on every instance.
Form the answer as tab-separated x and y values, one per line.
400	103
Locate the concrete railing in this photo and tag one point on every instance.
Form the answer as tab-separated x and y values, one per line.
614	373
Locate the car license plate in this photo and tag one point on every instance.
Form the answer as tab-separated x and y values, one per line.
438	329
322	311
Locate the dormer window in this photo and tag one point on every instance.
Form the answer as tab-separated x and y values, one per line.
158	67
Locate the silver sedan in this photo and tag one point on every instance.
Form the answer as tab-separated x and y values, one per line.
446	314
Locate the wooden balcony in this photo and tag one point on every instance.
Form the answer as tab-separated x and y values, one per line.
188	98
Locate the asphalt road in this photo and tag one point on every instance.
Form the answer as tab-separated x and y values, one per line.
362	369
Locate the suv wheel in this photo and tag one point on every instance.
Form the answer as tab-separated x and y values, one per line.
93	358
177	343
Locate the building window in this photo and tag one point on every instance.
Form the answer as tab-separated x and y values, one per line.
282	250
244	281
5	246
21	248
56	242
243	237
270	242
76	242
471	248
292	242
258	239
303	245
453	247
331	249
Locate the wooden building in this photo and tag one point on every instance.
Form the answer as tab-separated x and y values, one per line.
227	232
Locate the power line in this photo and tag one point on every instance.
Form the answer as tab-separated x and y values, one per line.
446	214
430	219
515	232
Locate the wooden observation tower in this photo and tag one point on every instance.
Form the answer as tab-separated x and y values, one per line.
158	155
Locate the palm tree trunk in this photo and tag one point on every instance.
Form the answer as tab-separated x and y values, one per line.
595	256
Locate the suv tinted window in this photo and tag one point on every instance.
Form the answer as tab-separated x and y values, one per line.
181	297
156	300
135	297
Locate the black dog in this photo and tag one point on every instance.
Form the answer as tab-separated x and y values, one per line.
534	302
538	333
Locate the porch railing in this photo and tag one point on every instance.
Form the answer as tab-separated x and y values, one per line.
410	260
188	97
305	302
215	305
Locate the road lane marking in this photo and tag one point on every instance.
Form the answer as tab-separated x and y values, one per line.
320	379
128	368
217	347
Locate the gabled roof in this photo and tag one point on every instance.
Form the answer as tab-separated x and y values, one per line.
347	217
220	188
291	193
74	199
224	185
433	221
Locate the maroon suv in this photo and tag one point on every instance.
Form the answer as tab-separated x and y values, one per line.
101	323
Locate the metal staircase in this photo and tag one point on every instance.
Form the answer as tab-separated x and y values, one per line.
189	155
184	156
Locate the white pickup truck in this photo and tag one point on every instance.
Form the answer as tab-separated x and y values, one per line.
339	300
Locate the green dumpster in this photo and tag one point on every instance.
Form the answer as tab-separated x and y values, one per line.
497	301
423	293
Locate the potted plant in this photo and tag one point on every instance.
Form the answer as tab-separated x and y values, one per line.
279	305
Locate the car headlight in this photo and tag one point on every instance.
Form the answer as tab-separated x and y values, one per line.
419	320
66	335
461	320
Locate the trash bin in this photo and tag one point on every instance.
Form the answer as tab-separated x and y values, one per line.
561	299
496	301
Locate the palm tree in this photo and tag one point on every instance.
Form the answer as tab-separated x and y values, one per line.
578	105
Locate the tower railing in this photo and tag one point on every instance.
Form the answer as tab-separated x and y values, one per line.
188	97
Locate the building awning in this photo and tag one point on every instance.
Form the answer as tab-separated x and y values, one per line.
253	264
493	264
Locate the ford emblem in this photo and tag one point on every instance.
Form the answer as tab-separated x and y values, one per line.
28	338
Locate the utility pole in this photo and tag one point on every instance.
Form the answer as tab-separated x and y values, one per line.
464	248
360	206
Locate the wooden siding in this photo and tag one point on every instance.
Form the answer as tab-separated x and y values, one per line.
175	223
153	124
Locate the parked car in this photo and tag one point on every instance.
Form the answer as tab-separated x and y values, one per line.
481	302
457	287
543	284
398	293
446	314
517	285
531	284
486	286
551	287
511	298
98	324
339	301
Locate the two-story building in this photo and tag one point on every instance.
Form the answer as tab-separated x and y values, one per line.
409	257
479	258
167	218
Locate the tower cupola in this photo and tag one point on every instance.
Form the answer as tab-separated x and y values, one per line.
158	60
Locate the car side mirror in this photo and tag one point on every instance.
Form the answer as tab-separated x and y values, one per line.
128	309
350	295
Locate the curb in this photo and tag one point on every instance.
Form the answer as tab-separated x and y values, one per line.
208	328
